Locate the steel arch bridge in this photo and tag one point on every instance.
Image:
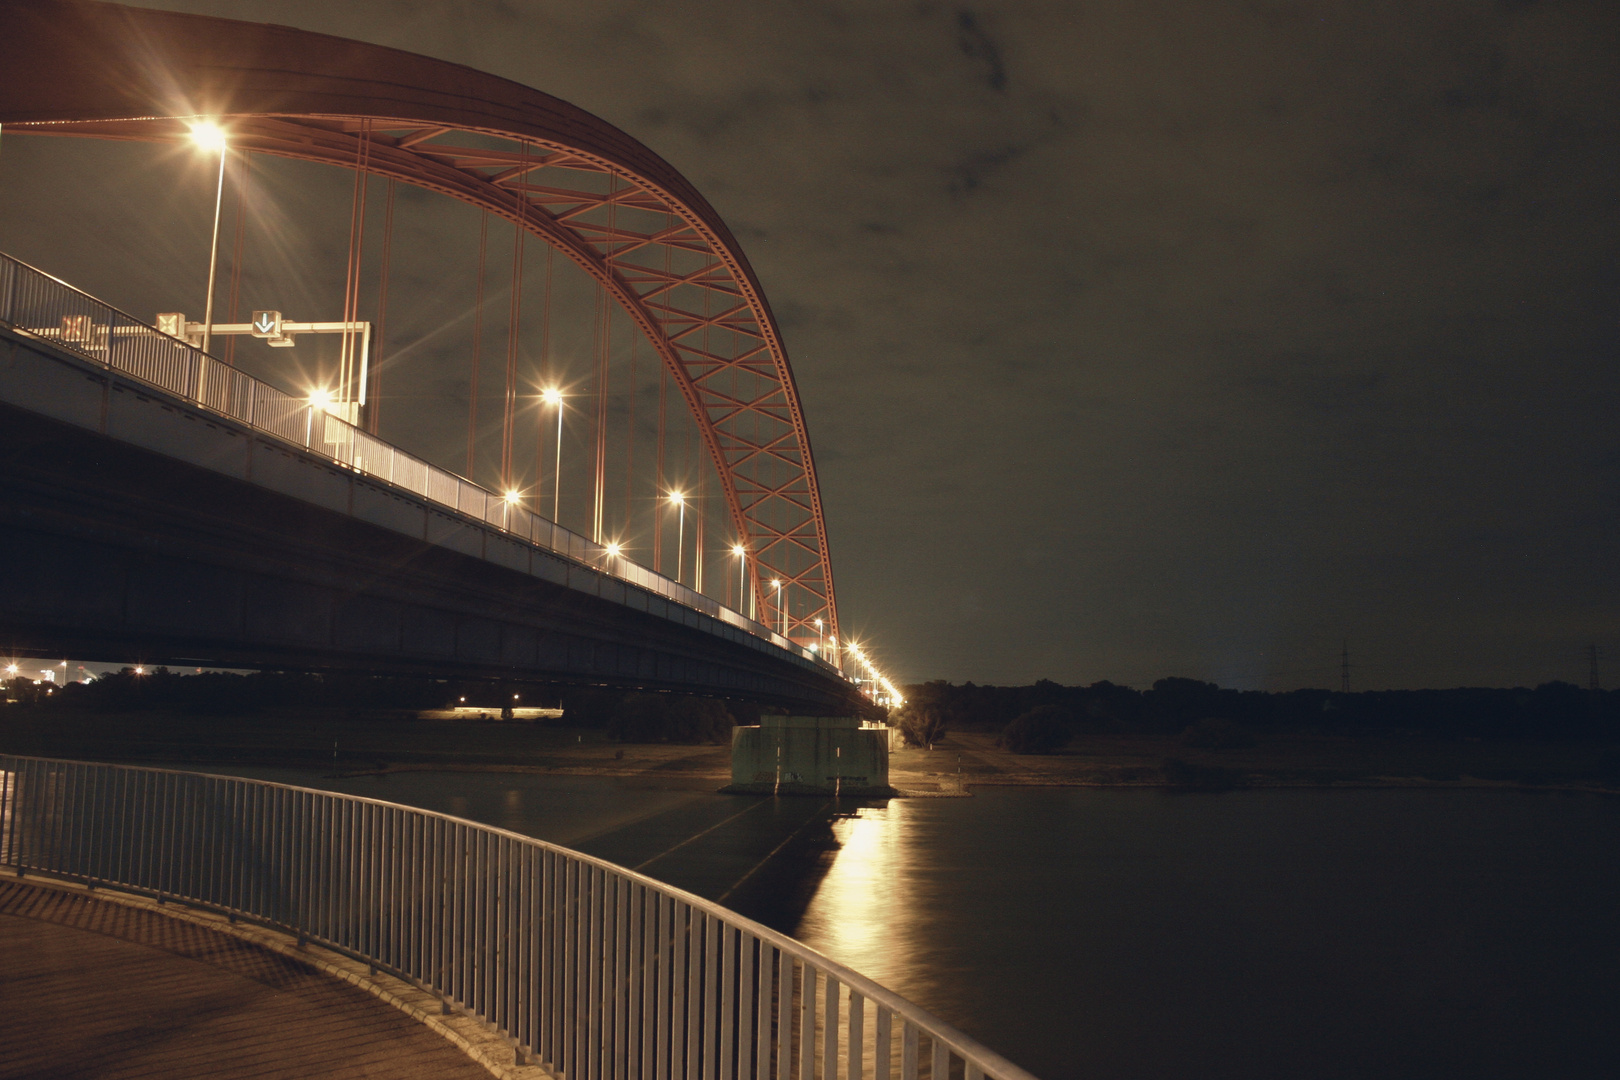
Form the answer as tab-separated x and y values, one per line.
596	195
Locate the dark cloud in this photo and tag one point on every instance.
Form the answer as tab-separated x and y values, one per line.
977	45
1135	338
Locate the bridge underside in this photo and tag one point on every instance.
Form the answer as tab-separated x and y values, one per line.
112	552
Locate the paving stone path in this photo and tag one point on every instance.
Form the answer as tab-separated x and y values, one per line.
91	988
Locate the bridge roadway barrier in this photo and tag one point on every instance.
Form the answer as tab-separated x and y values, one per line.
590	970
172	509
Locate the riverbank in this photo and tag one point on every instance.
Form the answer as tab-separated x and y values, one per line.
357	743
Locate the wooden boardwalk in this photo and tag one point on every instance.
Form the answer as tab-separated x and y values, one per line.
90	988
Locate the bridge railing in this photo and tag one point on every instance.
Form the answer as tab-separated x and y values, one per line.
48	308
594	971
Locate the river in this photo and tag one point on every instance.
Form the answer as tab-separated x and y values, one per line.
1111	933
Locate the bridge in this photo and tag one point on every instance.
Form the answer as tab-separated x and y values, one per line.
176	507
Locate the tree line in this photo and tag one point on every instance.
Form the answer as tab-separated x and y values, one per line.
1047	715
622	716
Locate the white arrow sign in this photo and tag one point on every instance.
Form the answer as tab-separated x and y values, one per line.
266	324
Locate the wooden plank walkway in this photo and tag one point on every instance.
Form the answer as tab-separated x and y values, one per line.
90	988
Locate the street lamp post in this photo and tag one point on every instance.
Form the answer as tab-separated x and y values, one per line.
781	609
680	532
742	569
553	397
210	136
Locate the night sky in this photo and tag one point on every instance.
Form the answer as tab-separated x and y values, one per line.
1135	339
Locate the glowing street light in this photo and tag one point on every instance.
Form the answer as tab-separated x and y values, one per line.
680	533
210	137
818	634
613	550
742	569
781	609
554	398
320	401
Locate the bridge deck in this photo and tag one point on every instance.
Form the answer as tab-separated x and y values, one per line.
93	988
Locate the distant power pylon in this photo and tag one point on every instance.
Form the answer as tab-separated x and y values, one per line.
1344	668
1592	679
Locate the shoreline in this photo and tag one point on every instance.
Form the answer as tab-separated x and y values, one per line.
353	745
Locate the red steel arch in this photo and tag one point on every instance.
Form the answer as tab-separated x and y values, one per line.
619	211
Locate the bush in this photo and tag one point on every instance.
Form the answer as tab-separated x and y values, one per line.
1214	734
1039	731
921	724
649	718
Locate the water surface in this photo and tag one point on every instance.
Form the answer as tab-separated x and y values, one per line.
1105	933
1108	934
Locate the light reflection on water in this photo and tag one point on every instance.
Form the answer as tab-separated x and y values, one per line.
851	917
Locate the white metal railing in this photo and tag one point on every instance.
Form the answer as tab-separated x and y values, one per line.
594	971
39	305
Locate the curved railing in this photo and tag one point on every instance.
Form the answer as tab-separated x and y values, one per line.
50	309
595	971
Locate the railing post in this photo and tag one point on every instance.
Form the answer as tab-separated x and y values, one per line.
711	987
829	1031
857	1037
882	1044
680	935
665	1004
784	1017
807	1022
728	999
